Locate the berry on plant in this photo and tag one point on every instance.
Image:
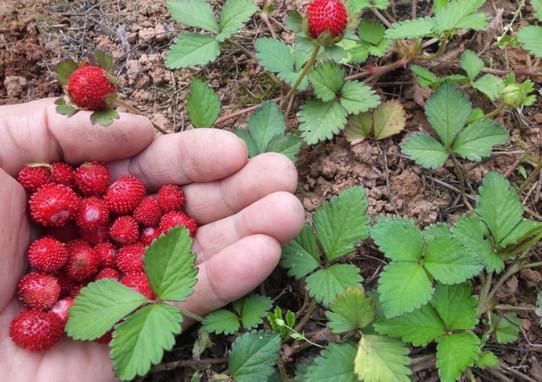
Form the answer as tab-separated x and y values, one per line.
170	198
93	213
38	290
92	178
177	219
327	16
83	262
53	205
89	87
124	230
32	177
148	212
47	255
130	258
138	281
36	331
125	194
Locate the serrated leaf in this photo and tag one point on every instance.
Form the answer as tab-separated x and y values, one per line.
192	49
63	108
489	85
320	121
357	97
381	358
487	360
253	356
530	38
327	79
448	110
424	150
408	29
471	63
194	13
424	76
334	364
64	71
301	255
371	31
202	105
99	306
342	223
477	140
265	124
433	231
456	306
507	327
169	264
537	7
221	321
326	284
403	287
288	145
389	119
399	238
274	55
294	21
350	311
455	354
234	15
521	232
359	127
103	59
252	309
104	117
460	14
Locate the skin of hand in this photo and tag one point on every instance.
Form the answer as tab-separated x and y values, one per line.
245	208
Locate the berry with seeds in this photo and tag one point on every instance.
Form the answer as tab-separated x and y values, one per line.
89	88
92	178
170	198
177	219
148	235
93	213
107	273
32	177
47	255
83	262
107	253
125	194
38	291
148	212
139	282
36	331
95	236
124	230
62	173
130	258
327	16
53	205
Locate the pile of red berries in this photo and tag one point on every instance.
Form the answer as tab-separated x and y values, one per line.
91	230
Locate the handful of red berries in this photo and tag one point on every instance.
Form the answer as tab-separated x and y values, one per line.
91	230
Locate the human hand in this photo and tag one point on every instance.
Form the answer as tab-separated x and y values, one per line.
245	210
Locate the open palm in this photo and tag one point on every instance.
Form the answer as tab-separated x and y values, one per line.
245	209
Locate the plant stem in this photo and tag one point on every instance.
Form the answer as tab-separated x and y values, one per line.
496	112
191	315
238	113
532	176
515	308
133	110
308	66
264	15
471	376
515	268
461	177
532	265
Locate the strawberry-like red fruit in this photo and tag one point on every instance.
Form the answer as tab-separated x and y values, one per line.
83	262
38	291
93	213
89	87
139	282
177	219
47	255
170	198
107	273
61	308
125	194
33	177
62	173
124	230
148	212
327	15
130	258
36	331
53	205
149	234
92	178
107	253
95	236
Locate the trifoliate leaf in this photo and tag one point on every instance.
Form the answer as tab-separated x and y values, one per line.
99	306
456	306
357	97
321	120
335	364
425	77
360	126
301	255
424	150
327	79
288	145
403	287
140	340
389	119
234	15
530	38
202	105
471	63
408	29
342	222
326	284
448	110
194	13
455	354
221	321
253	356
350	311
399	238
487	360
192	49
252	309
490	85
381	358
460	14
477	140
104	117
64	71
507	327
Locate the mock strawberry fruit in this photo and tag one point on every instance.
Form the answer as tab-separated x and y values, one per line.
92	178
130	258
170	198
61	308
327	15
138	281
38	291
95	236
148	212
89	88
177	219
125	194
33	177
47	255
83	262
53	205
93	213
107	273
62	173
107	253
148	235
36	331
124	230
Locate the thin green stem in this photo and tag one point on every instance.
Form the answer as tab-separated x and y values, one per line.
532	265
513	308
461	177
306	69
191	315
496	112
532	176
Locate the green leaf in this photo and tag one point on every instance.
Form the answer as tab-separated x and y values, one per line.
342	223
288	145
301	255
253	356
460	14
359	127
456	306
419	327
327	79
455	354
489	85
252	309
522	231
424	76
471	63
104	117
371	32
357	97
192	49
335	364
403	287
63	108
194	13
382	358
221	321
448	110
350	311
99	306
203	104
537	6
424	150
64	71
274	55
399	238
324	285
408	29
234	15
433	231
487	360
507	327
321	120
265	124
477	140
389	119
294	21
530	38
103	60
169	264
450	262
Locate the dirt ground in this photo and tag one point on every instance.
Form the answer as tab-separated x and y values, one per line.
36	35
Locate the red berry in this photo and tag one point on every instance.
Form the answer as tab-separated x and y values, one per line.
53	205
95	236
124	230
89	87
66	284
92	178
177	219
75	289
33	177
47	255
106	338
107	273
148	235
36	331
107	253
148	212
38	290
130	258
62	173
125	194
83	262
61	308
170	198
65	233
138	281
327	15
93	213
